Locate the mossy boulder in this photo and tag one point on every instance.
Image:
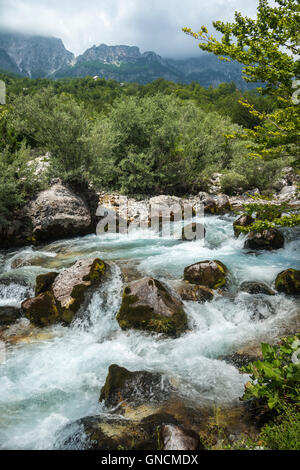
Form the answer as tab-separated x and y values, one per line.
211	274
123	386
114	433
243	221
42	310
147	305
269	239
44	282
288	282
193	292
60	296
255	287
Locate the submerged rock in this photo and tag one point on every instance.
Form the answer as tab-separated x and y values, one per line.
113	433
9	315
176	438
243	221
148	306
256	288
63	294
123	386
239	360
288	282
193	292
269	239
211	274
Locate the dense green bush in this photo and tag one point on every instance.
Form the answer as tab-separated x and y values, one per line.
17	181
59	125
160	144
284	432
158	138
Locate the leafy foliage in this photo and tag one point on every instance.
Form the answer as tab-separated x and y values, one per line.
276	379
269	215
17	181
268	46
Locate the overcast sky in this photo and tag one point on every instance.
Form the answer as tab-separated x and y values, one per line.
150	24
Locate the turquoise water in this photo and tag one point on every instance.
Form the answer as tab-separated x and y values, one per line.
49	383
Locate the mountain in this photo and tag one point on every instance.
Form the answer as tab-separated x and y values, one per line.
38	57
7	63
34	56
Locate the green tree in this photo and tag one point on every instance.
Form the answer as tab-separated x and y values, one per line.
59	125
268	47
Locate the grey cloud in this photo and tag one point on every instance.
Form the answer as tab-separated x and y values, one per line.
151	25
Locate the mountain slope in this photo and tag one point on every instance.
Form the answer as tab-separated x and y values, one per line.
35	56
7	64
38	57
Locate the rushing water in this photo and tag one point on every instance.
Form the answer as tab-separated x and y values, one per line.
51	382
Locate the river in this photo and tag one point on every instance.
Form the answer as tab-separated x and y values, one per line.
56	379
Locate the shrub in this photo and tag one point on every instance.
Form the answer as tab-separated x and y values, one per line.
233	182
17	182
276	379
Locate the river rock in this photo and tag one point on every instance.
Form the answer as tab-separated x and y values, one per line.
223	204
113	433
289	177
176	438
256	288
42	310
123	386
193	292
239	360
211	274
166	207
209	203
69	291
148	306
9	315
243	221
287	193
16	232
58	213
44	282
288	282
269	239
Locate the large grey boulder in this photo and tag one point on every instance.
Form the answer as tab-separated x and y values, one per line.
58	213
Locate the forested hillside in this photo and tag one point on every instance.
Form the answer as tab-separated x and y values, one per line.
137	139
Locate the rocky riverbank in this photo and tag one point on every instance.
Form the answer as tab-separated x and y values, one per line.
136	343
